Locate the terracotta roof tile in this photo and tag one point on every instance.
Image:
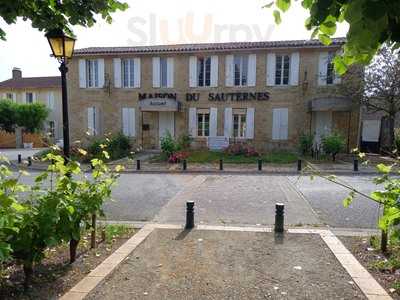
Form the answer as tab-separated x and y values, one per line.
206	47
32	82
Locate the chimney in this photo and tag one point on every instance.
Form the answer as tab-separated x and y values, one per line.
16	73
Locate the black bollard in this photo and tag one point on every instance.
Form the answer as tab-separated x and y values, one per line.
260	165
299	165
355	165
189	215
279	217
138	165
19	158
184	165
29	161
221	164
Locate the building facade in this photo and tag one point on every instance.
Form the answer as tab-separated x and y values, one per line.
46	90
263	93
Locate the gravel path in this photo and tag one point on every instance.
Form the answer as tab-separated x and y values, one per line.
228	265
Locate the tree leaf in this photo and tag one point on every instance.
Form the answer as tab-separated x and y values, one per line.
283	5
277	16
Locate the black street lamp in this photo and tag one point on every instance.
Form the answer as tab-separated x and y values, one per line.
62	47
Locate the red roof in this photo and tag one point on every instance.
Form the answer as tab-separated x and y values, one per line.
336	42
32	82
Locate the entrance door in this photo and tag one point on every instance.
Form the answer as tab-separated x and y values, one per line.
323	125
166	123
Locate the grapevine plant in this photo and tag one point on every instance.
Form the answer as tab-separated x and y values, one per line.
54	210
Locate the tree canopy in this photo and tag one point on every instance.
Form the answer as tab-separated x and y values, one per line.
52	14
372	23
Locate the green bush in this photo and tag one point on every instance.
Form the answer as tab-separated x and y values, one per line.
306	142
333	144
31	116
184	142
168	145
117	146
397	139
8	115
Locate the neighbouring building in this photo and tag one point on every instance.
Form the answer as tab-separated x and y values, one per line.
46	90
264	93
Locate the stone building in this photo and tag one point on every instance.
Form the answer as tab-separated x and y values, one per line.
46	90
264	93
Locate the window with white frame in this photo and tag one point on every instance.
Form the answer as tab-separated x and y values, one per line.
92	73
128	73
239	124
29	98
330	70
164	72
9	96
128	121
282	69
51	129
280	124
241	64
50	100
203	124
204	71
92	120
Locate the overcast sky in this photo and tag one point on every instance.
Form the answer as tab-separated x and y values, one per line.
153	22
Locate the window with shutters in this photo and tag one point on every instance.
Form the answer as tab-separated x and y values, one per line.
241	66
50	100
282	69
128	73
92	73
29	97
128	121
92	119
239	125
203	124
204	71
280	124
163	72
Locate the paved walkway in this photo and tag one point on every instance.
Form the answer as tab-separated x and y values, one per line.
239	200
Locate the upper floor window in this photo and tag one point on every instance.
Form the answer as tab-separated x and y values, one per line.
92	73
204	71
330	70
326	74
128	73
163	72
282	69
203	124
241	67
29	97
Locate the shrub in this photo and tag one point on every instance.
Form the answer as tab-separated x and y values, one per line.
241	149
397	139
117	146
306	142
31	116
8	115
168	145
184	142
333	144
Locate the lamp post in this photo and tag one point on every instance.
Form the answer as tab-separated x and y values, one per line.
62	47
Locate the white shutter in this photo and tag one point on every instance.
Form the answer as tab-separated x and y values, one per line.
228	122
100	62
213	121
156	72
250	123
34	97
193	71
192	122
322	68
229	70
50	100
137	73
252	70
91	120
214	71
170	72
117	72
14	97
294	68
271	61
82	73
132	121
125	121
283	124
276	124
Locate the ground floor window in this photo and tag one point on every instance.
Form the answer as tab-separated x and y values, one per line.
203	124
239	125
51	129
280	124
9	96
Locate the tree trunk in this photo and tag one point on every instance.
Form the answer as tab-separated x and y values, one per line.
93	233
28	271
73	245
384	241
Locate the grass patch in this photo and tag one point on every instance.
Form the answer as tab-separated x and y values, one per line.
205	156
116	231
